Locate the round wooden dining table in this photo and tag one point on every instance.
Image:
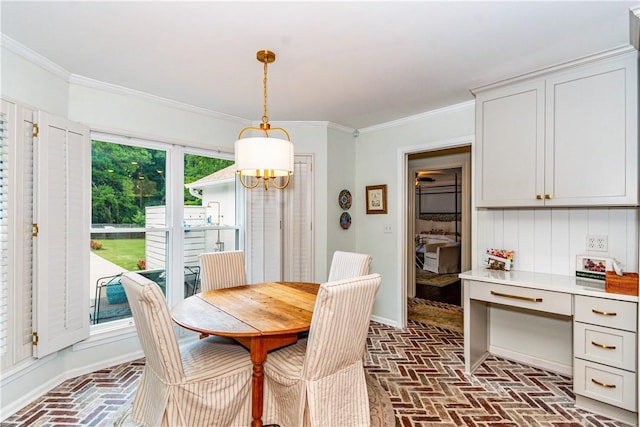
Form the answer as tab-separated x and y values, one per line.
261	317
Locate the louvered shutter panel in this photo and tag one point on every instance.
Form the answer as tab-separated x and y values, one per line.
264	234
24	231
16	216
5	206
63	209
298	259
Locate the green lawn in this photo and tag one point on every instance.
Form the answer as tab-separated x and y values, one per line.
124	252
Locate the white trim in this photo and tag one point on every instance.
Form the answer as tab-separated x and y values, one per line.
634	27
34	57
122	90
607	54
417	117
403	182
385	321
34	393
526	359
116	331
38	392
71	78
341	128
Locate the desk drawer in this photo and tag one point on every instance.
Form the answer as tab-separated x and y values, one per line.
605	384
516	296
609	346
606	312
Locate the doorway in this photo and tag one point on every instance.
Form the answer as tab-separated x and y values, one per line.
438	223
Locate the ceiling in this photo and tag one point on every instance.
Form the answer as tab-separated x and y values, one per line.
356	64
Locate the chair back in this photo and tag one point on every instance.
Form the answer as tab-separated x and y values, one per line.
222	270
346	265
339	326
155	328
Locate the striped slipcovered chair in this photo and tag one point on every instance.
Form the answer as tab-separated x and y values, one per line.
222	270
346	265
320	381
204	383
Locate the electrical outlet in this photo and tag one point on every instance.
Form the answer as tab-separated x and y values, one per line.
598	242
387	228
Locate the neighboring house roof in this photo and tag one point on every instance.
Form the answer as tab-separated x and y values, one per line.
222	176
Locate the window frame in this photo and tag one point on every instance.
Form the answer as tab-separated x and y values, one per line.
174	201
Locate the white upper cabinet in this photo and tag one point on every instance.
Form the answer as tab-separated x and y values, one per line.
563	138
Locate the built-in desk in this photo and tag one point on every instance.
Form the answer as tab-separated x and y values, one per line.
601	332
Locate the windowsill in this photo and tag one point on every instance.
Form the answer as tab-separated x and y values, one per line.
107	333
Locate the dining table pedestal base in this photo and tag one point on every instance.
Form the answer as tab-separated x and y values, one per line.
259	347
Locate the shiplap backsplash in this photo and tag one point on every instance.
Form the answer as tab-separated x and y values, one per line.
547	240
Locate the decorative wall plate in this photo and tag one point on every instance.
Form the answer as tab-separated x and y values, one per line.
345	220
344	199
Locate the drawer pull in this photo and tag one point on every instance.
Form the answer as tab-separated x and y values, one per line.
606	347
604	313
600	383
500	294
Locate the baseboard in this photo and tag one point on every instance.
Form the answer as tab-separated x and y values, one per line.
385	321
525	359
608	411
42	389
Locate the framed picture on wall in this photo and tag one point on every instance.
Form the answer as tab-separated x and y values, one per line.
377	199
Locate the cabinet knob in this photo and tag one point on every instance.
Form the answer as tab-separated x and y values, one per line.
547	196
538	196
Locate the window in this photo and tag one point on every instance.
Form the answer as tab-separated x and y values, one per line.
128	222
134	218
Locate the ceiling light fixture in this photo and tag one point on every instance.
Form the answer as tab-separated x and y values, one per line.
264	157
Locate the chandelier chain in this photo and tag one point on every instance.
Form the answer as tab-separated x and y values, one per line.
265	118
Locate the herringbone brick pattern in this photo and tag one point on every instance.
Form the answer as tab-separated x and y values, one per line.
421	367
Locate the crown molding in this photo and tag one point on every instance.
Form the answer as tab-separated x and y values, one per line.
121	90
418	117
33	57
341	128
634	27
607	54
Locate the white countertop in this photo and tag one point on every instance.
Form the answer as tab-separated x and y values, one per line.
551	282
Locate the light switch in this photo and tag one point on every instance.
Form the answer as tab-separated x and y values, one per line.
387	228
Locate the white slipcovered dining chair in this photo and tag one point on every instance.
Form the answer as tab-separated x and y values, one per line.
346	265
204	383
320	381
220	270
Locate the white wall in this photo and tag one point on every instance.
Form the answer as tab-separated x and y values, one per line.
145	117
32	85
377	157
341	154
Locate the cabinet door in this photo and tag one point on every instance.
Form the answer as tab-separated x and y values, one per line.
591	135
510	146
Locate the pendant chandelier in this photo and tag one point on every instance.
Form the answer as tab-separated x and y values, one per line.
264	157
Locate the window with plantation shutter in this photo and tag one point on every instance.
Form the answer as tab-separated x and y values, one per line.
279	231
264	235
298	226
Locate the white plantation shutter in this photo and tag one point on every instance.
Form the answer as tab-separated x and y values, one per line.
264	235
279	228
5	205
16	216
298	230
63	209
